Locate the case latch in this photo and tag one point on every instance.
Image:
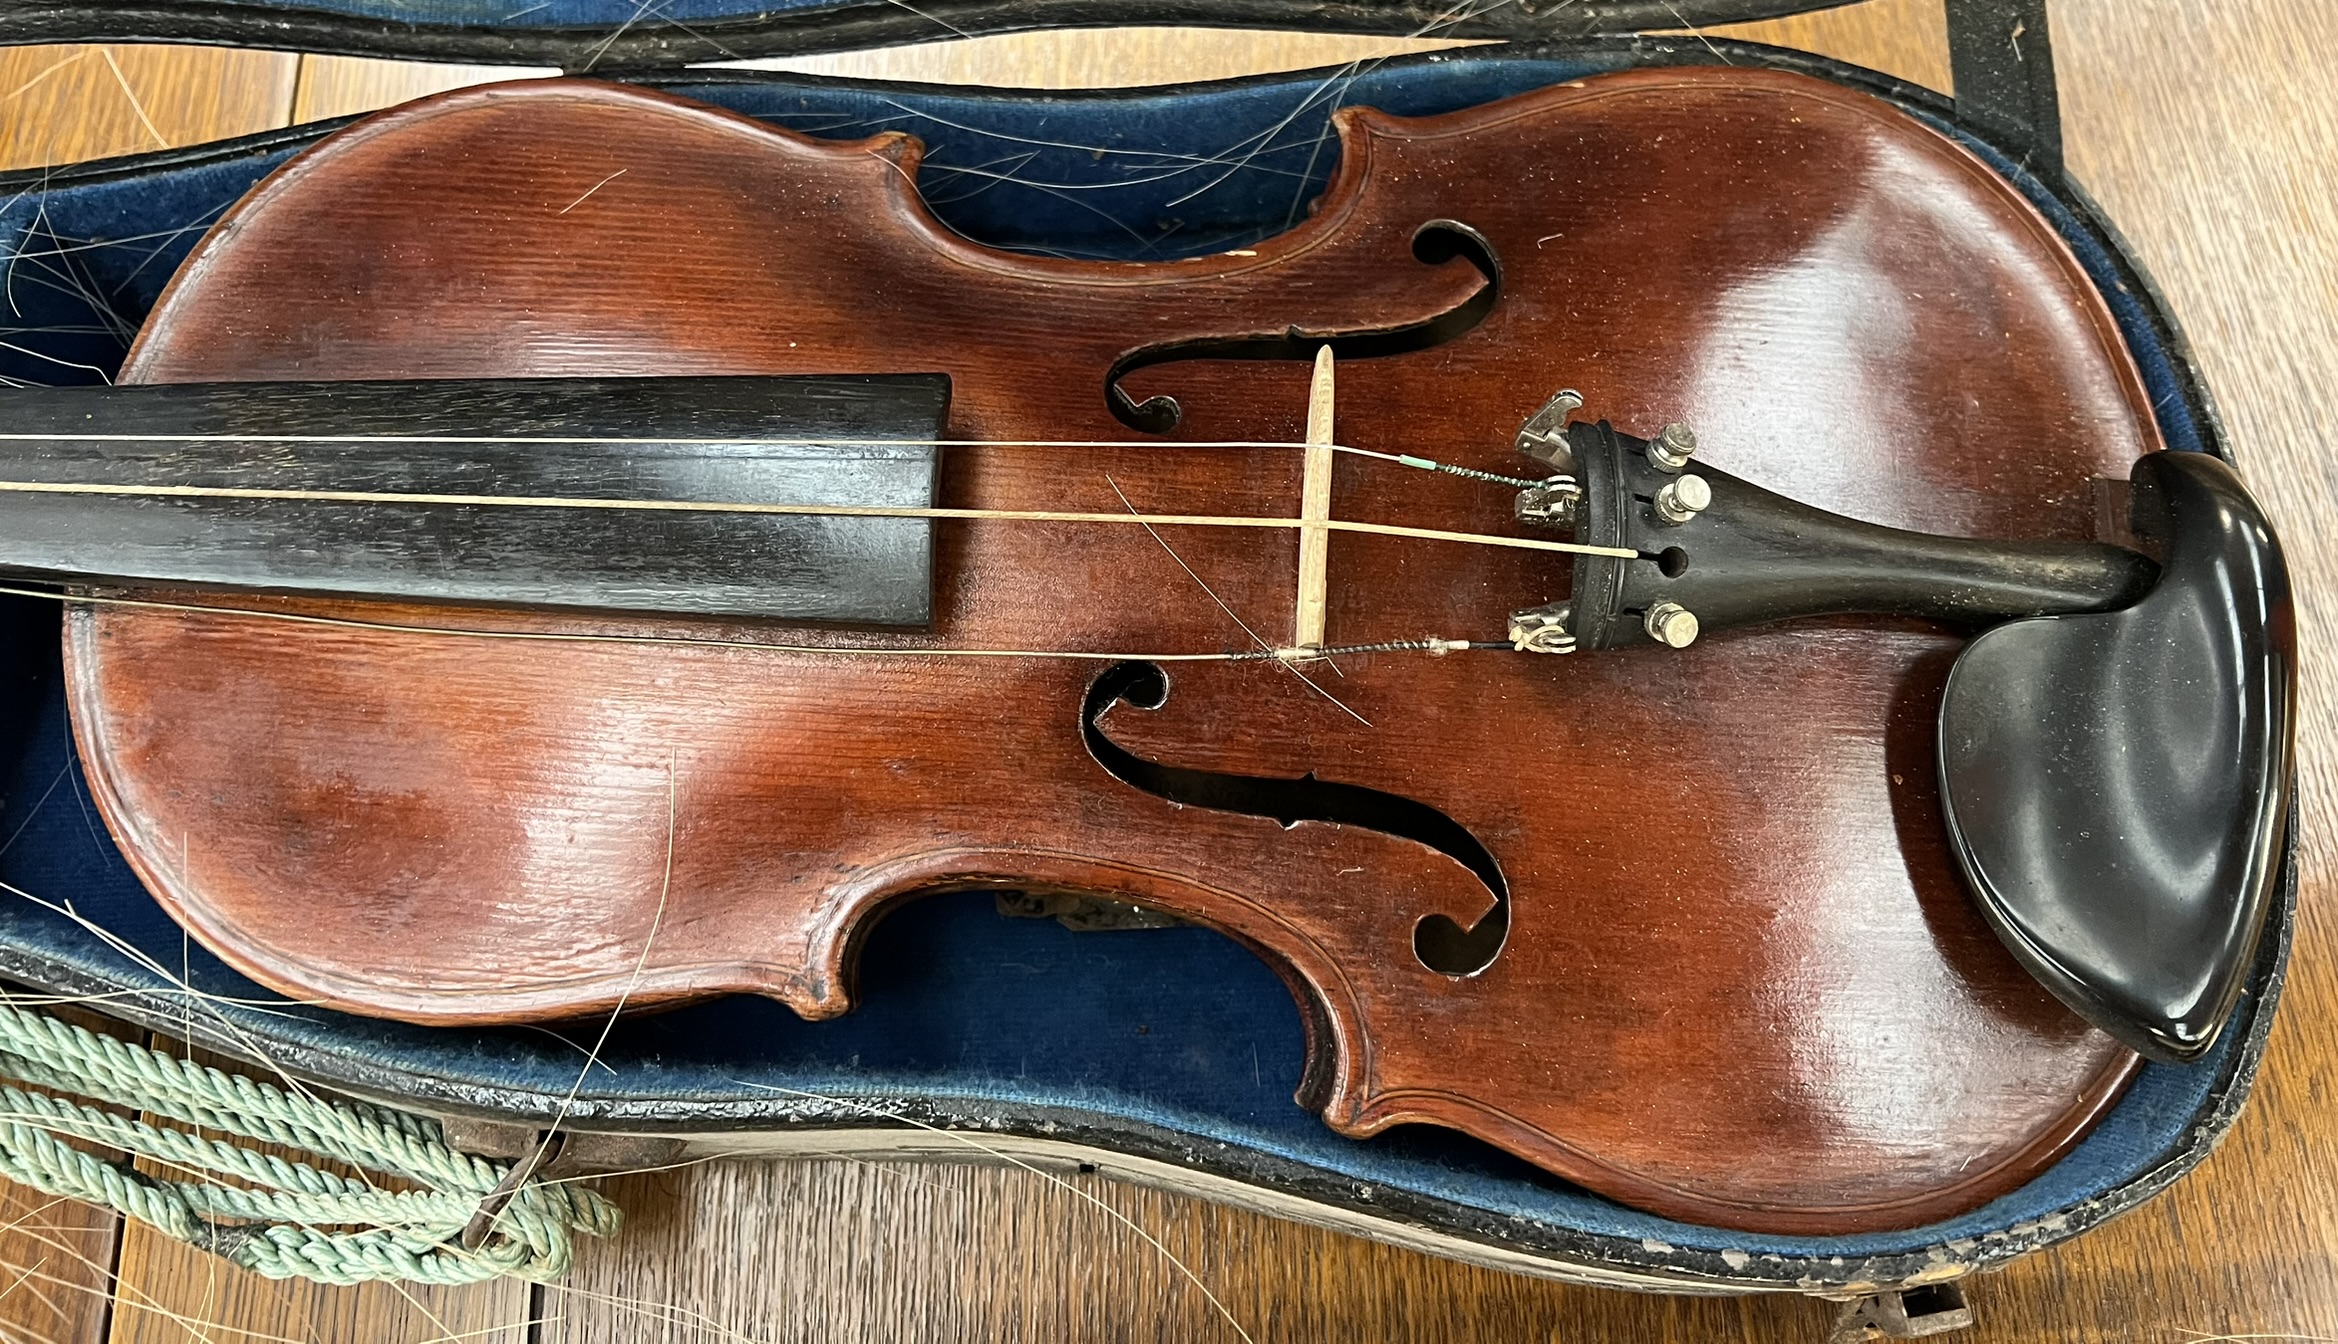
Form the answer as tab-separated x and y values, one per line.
1903	1313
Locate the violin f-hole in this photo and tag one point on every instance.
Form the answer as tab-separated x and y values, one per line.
1442	943
1434	244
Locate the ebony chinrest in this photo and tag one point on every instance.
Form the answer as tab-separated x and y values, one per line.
2116	783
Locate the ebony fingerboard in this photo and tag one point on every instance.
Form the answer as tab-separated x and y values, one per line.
858	441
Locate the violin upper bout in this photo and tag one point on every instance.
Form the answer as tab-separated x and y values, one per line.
587	215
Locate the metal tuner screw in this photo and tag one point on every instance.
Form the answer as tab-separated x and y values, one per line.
1544	435
1671	624
1551	502
1542	629
1672	447
1683	499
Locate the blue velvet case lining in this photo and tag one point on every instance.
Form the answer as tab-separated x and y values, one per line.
1171	1031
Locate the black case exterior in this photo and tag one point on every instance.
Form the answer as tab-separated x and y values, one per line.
794	30
2003	71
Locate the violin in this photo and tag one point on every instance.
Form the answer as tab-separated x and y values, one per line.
1659	606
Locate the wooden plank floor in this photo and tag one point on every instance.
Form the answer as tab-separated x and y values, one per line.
2209	133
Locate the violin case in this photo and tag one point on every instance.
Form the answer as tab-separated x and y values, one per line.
1166	1055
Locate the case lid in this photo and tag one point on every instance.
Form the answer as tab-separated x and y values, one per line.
1998	49
614	35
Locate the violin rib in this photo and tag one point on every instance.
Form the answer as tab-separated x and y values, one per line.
1742	982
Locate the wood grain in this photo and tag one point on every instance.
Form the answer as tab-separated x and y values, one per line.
336	86
57	1256
170	1293
64	104
1907	38
56	1267
883	1251
1108	58
2207	131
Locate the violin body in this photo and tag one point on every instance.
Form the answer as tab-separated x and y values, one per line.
1742	983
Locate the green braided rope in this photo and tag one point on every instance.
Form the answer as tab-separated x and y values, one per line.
283	1219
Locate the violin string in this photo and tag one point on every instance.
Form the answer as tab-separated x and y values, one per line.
666	440
1432	645
1289	665
1412	460
811	510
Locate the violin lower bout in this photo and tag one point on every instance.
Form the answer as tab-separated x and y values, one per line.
499	832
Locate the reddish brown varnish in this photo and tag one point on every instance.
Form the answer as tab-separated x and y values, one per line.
1744	984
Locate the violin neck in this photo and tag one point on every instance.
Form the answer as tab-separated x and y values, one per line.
377	490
